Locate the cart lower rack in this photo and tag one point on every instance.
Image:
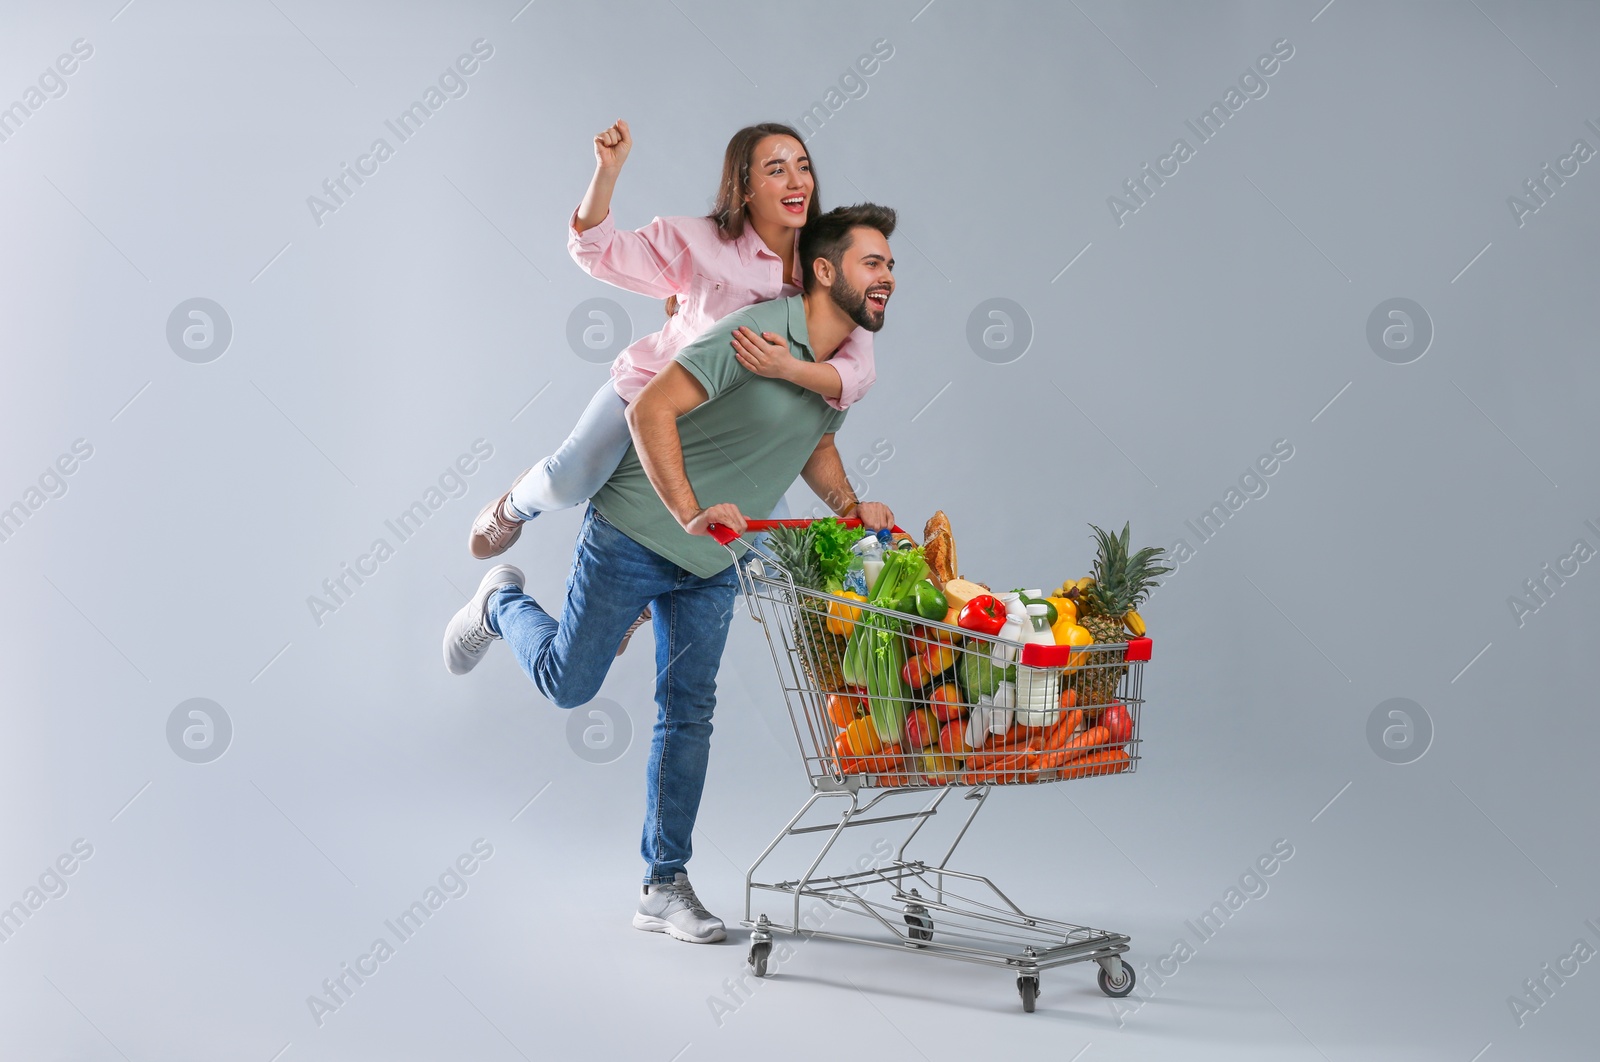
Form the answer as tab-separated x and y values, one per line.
998	713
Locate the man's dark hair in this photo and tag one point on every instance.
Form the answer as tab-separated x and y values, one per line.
828	235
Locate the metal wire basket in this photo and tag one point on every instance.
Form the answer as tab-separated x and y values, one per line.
969	711
999	712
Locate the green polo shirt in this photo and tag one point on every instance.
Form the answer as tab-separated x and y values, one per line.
745	444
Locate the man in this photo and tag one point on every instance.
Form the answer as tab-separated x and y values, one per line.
711	441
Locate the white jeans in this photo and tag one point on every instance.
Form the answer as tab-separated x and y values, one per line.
582	464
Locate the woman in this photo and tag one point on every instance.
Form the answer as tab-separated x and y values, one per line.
745	251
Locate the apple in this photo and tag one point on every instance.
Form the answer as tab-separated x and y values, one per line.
946	703
953	739
922	729
1116	719
940	769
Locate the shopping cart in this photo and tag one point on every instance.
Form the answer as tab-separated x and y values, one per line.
1049	713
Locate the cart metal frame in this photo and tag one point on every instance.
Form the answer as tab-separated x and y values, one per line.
906	904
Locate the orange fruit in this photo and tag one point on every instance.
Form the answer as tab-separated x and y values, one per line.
844	709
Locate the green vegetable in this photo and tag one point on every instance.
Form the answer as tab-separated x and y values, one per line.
854	667
902	570
831	542
930	601
1050	614
886	691
980	676
876	652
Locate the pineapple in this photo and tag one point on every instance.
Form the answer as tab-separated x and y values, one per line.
792	547
1120	583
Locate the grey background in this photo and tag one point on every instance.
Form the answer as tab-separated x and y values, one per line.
431	310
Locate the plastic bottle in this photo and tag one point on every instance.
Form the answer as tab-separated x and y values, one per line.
1038	688
1000	715
869	562
1012	630
978	721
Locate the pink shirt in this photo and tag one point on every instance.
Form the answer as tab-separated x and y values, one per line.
712	277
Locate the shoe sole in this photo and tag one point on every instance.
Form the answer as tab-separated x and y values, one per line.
652	924
492	580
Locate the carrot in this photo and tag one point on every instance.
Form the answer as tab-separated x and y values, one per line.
1052	736
1108	761
1095	735
1011	769
1012	741
886	761
992	778
1055	736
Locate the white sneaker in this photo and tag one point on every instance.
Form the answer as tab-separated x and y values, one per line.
467	635
675	910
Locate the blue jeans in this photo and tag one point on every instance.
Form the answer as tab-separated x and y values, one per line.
612	579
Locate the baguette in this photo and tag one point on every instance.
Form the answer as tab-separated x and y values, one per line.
939	549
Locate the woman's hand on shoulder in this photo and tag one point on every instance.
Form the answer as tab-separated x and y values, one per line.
765	355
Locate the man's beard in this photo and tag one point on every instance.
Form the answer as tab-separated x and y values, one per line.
853	301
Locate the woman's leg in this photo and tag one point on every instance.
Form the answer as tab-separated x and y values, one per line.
581	464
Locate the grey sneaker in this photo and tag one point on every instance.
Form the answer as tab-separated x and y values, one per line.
467	635
676	911
644	617
496	527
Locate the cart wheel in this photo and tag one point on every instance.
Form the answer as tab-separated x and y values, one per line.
758	956
1028	988
921	923
1117	989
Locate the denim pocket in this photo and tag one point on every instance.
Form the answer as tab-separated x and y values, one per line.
596	525
600	534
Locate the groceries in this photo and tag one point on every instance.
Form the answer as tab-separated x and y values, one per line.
1107	601
842	615
1038	688
939	547
866	563
983	614
876	655
946	681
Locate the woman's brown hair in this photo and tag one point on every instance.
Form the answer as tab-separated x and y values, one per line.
729	212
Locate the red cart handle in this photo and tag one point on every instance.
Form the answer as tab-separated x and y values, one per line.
725	535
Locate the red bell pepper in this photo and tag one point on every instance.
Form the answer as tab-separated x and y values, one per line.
984	614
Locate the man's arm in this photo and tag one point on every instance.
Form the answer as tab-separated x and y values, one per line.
824	474
653	422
